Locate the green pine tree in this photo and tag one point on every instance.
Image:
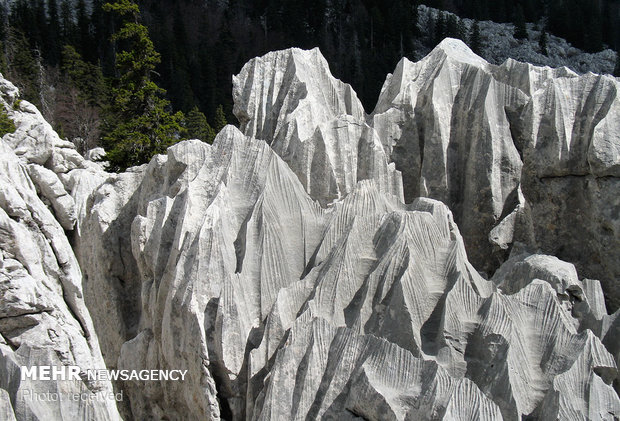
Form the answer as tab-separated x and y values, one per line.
6	124
3	64
85	41
197	126
138	124
23	67
81	96
51	52
86	77
67	23
220	118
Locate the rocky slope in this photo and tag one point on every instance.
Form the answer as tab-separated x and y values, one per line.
43	317
293	270
499	44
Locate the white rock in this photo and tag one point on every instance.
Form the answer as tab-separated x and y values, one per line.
95	154
441	122
53	190
6	409
518	152
313	121
43	318
248	282
282	269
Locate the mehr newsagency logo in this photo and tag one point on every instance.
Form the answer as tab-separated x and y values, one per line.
72	372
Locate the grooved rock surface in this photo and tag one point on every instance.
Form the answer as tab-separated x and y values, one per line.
282	267
445	122
314	122
283	309
43	316
571	174
518	153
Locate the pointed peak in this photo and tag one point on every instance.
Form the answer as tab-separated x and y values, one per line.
459	51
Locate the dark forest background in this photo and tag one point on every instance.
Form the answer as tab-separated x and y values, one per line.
203	43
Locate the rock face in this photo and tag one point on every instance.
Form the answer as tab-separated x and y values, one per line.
518	153
282	267
314	122
282	309
444	121
571	174
43	317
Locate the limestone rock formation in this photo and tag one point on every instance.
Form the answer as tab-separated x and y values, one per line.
43	317
442	123
518	153
282	267
313	121
571	174
282	309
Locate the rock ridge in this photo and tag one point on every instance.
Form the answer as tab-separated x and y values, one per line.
318	262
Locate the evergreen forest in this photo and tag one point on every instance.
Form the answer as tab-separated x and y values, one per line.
135	77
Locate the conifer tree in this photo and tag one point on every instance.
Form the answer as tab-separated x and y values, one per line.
454	27
38	34
220	119
85	43
51	41
81	95
22	65
461	31
197	126
440	27
3	40
67	23
3	64
592	27
6	124
84	76
138	124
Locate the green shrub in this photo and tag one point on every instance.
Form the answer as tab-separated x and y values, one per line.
6	124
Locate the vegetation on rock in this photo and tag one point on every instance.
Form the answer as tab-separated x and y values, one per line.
6	124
